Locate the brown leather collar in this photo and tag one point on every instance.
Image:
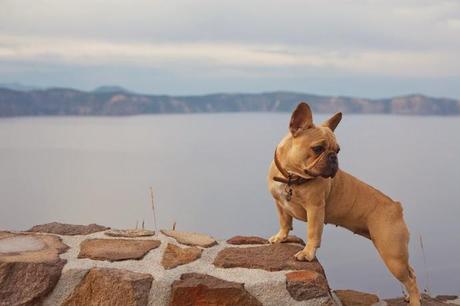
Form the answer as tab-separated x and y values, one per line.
288	178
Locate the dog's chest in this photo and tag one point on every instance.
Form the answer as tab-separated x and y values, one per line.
290	204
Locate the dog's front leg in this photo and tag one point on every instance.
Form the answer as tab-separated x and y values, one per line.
285	225
315	225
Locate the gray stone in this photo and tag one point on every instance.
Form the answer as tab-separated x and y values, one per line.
68	229
189	238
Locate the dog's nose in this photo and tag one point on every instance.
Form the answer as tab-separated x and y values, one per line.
332	157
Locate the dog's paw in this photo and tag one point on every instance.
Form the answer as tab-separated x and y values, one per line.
305	255
412	302
278	238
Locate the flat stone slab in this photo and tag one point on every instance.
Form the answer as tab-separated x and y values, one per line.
356	298
68	229
116	249
28	247
426	301
117	287
129	233
21	243
203	289
446	297
27	283
241	240
192	239
274	257
306	285
294	239
174	256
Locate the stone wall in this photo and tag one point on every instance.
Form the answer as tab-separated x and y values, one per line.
59	264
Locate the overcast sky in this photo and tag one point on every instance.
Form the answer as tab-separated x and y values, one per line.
362	48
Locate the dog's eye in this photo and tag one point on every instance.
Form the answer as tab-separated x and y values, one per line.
338	150
318	149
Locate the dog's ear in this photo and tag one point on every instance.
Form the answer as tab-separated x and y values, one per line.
301	119
333	122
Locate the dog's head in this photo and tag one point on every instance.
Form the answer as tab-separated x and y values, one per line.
313	148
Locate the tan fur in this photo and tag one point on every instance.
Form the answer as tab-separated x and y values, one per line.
342	200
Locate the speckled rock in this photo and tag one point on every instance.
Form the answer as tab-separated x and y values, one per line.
241	240
129	233
192	239
294	239
274	257
426	301
306	285
202	289
30	267
174	256
356	298
238	240
446	297
27	283
68	229
116	249
115	287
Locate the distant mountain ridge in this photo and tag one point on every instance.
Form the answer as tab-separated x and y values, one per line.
110	88
18	86
116	101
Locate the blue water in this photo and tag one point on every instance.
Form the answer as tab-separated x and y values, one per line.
209	175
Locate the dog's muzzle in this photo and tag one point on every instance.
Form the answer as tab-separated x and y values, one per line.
332	165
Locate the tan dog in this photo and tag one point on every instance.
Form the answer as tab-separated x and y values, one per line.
306	182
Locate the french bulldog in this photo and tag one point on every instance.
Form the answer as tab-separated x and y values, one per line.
307	184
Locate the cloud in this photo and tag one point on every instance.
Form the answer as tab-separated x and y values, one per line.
220	39
225	55
342	24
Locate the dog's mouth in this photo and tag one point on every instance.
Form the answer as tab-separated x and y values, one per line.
329	172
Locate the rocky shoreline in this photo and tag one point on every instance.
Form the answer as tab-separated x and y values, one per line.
62	264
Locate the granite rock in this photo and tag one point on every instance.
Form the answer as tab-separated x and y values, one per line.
238	240
274	257
129	233
114	287
68	229
294	239
203	289
241	240
30	267
192	239
116	249
426	301
174	256
306	285
27	283
25	247
356	298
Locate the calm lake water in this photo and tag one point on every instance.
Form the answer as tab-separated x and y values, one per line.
209	175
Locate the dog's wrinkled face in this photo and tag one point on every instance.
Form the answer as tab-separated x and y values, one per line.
313	149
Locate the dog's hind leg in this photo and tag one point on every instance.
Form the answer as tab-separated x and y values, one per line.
285	222
392	245
405	274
